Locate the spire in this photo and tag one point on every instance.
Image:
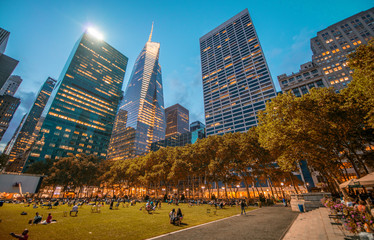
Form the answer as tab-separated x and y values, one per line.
150	35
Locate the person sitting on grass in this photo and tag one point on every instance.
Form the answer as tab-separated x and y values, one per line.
172	216
74	209
24	235
37	219
179	217
49	220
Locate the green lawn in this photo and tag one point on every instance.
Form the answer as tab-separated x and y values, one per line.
125	223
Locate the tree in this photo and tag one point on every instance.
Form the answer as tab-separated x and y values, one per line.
360	90
41	167
3	161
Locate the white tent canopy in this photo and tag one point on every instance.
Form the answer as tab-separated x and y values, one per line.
351	182
367	181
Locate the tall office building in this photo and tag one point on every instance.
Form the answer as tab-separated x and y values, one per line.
177	120
300	83
143	107
10	144
4	36
7	64
236	78
24	141
8	106
196	125
179	140
330	49
332	45
81	116
11	85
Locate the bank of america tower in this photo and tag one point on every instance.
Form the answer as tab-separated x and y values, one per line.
141	118
236	78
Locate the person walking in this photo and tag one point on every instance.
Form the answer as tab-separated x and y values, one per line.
242	206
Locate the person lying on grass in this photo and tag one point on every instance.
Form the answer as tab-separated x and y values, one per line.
24	235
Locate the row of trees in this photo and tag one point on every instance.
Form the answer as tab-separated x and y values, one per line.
231	159
332	132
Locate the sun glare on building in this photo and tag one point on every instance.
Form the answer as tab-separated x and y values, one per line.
95	33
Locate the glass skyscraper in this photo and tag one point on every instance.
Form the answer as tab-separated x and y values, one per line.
142	109
23	142
236	78
81	116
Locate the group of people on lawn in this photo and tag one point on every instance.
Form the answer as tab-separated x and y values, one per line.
176	217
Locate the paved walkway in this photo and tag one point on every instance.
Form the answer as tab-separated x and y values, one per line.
268	223
314	225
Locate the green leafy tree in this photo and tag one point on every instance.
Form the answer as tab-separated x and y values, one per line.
360	90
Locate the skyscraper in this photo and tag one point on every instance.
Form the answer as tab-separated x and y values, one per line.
177	120
81	116
143	107
236	78
11	85
4	36
7	64
332	45
24	141
8	106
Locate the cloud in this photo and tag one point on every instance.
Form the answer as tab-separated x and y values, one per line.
185	87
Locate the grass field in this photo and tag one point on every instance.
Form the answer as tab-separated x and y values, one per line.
124	223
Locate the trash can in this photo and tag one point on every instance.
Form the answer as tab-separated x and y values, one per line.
1	203
301	207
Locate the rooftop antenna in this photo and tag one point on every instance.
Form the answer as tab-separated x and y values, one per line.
150	35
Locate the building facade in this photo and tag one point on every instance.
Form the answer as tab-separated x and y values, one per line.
196	125
332	45
7	64
177	120
142	109
81	116
4	36
236	79
11	85
179	140
24	139
300	83
8	106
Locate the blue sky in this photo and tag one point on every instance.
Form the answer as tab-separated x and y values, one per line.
44	32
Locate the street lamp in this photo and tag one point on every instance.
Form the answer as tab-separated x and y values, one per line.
282	189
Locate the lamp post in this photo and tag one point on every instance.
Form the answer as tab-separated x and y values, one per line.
202	191
282	189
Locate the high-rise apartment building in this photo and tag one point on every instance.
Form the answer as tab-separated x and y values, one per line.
196	125
332	45
177	120
24	139
143	107
11	85
7	64
300	83
236	79
82	113
8	106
